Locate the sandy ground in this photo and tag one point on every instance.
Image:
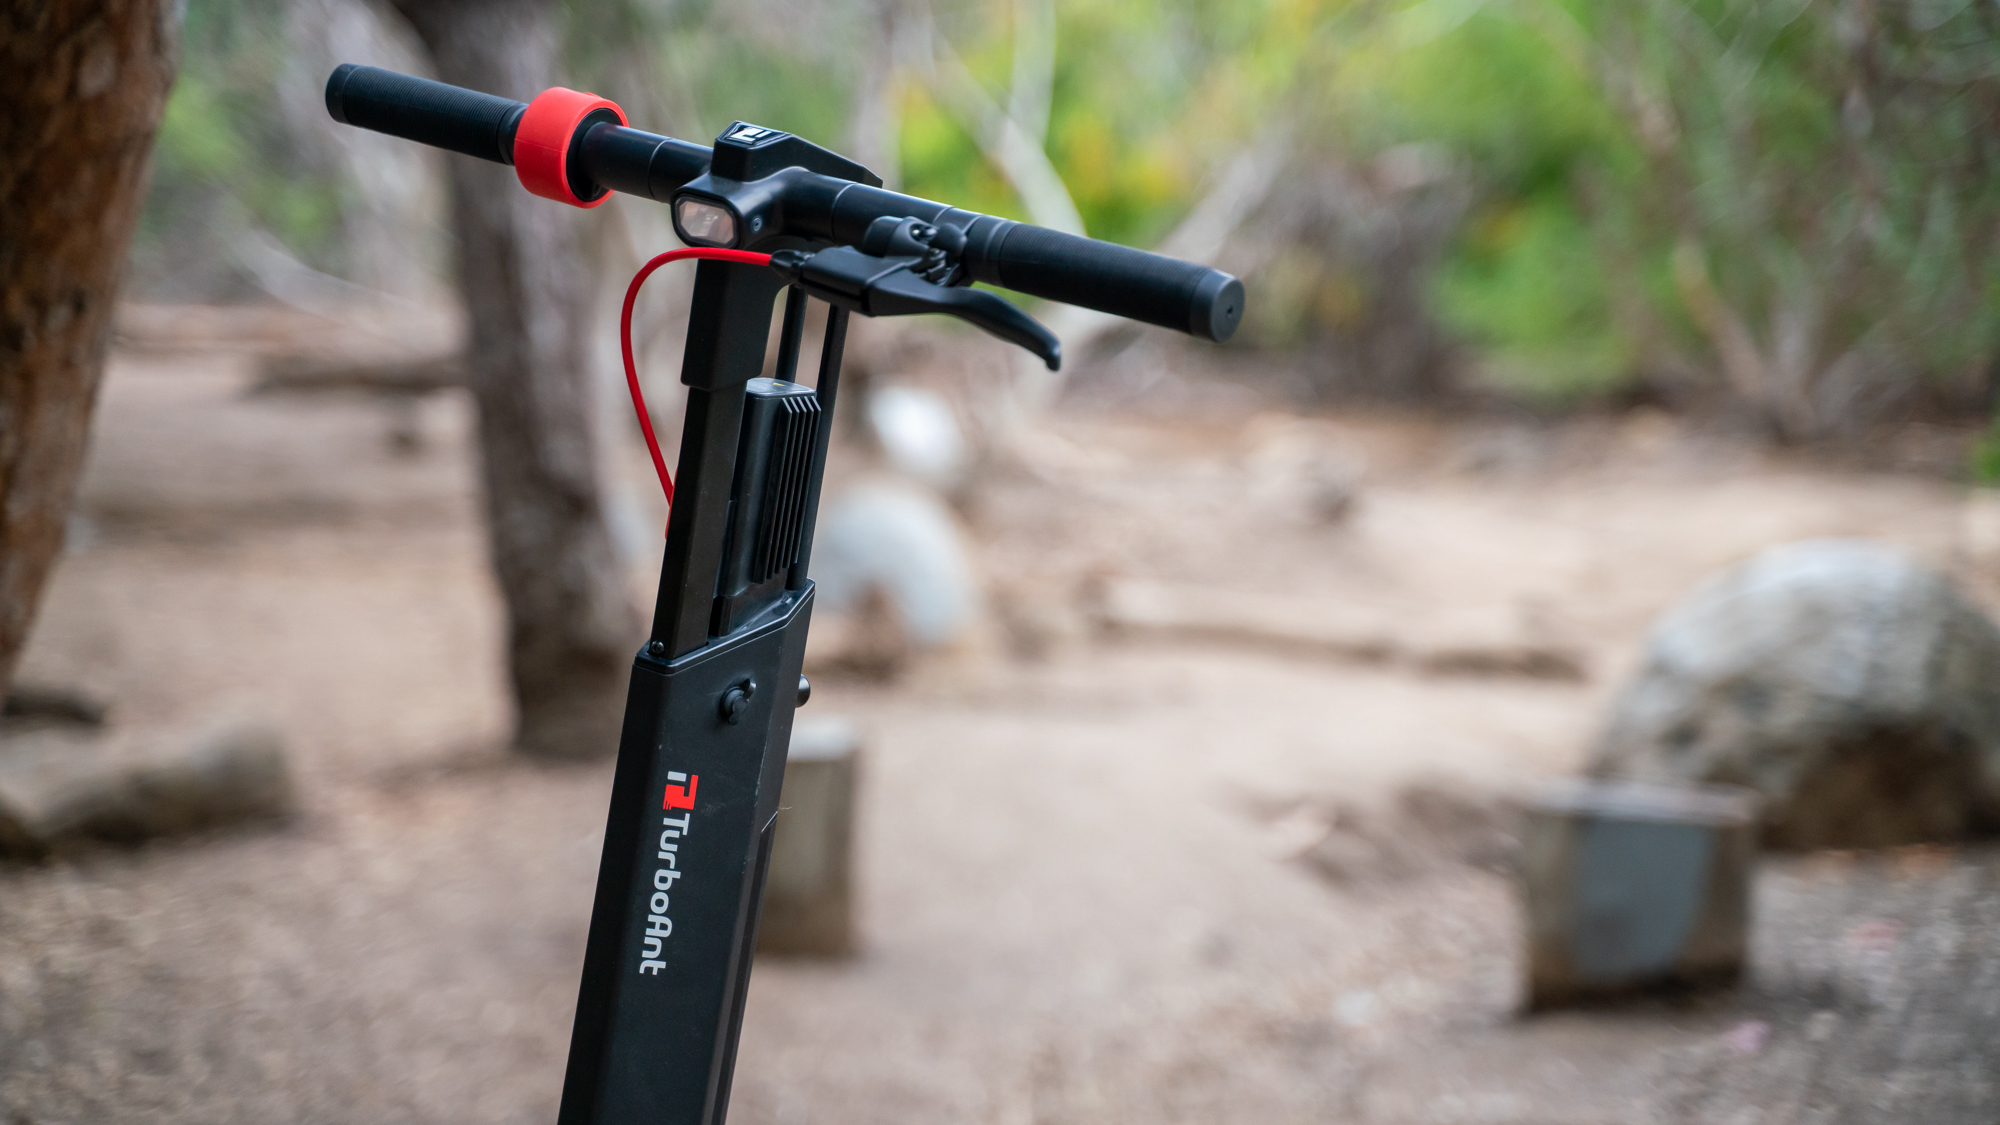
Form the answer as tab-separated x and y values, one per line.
1077	901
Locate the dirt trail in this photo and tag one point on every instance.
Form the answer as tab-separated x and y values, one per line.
1077	904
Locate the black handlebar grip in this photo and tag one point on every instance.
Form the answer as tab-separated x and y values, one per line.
418	109
1110	278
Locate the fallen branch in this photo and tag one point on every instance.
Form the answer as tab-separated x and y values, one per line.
1477	643
57	788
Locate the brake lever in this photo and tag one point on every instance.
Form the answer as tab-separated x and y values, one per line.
875	286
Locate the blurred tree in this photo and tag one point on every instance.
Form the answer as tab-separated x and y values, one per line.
571	628
84	83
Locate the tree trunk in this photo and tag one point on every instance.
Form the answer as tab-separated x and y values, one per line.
84	83
571	628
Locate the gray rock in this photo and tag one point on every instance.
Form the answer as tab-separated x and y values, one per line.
57	788
1856	691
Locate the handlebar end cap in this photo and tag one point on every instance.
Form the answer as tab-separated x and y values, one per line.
1217	307
336	89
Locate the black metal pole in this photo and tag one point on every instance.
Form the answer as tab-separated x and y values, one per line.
834	343
700	765
727	327
789	335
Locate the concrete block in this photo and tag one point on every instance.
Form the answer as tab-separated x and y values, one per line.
1632	887
809	891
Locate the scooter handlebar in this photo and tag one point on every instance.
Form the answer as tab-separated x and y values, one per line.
1104	276
418	109
1110	278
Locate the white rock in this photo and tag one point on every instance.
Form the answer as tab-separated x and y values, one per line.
919	434
902	540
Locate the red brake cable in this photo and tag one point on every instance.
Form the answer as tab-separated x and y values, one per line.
625	340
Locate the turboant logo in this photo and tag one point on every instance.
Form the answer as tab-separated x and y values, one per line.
680	792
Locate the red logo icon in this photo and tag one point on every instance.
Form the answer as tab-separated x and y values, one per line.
680	796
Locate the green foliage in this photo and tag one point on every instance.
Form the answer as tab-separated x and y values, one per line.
740	78
1143	97
1823	174
1490	88
1639	180
1527	125
196	136
1986	456
690	67
942	161
1526	283
1826	176
223	156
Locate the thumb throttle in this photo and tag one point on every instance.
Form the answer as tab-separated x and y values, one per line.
896	286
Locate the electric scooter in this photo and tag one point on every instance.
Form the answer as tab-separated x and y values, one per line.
708	719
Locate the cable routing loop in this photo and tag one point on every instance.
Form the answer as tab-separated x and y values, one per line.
744	257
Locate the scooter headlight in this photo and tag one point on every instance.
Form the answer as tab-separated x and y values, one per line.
704	223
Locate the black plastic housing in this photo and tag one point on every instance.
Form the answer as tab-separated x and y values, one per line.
707	724
693	803
767	500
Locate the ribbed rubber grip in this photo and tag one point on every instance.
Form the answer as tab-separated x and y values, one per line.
418	109
1109	278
